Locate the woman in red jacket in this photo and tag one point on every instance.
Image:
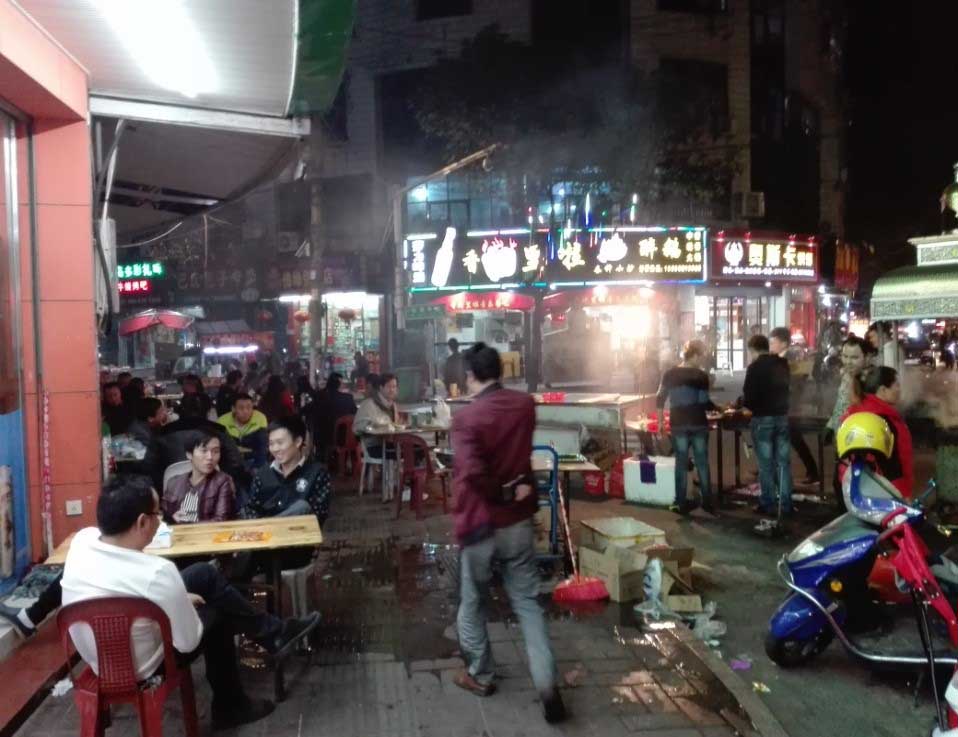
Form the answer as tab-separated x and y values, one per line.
881	390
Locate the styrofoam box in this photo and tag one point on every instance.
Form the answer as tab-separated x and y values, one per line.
661	493
624	532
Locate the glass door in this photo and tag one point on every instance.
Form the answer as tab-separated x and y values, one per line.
13	494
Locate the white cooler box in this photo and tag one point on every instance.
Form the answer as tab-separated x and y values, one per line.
662	492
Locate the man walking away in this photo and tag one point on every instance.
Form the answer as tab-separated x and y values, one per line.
494	505
778	342
766	395
686	388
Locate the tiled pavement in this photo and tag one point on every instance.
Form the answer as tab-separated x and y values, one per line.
384	660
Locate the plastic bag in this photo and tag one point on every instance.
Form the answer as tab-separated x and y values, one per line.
707	629
653	607
442	413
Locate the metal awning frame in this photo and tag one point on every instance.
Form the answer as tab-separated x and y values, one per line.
110	107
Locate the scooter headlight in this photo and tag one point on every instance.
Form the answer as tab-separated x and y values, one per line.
807	549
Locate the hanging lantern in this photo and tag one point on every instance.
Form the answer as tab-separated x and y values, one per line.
347	315
301	316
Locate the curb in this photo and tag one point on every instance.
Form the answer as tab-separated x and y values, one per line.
762	718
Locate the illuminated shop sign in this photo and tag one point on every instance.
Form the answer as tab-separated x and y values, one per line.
754	255
148	269
505	258
135	286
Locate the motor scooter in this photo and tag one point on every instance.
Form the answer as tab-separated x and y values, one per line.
827	574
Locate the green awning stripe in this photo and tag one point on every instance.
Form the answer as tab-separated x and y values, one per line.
325	29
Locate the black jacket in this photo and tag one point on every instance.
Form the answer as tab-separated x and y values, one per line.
271	492
767	386
169	446
323	413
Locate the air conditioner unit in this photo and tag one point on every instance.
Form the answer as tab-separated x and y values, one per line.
750	204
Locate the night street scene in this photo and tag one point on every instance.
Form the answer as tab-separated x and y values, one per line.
478	368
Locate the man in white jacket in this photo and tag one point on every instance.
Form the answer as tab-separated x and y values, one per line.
204	610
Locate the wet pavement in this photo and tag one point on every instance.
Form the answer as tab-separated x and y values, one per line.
386	653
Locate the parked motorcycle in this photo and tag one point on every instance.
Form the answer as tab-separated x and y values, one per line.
828	573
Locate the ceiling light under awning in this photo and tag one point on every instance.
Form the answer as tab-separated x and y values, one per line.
163	41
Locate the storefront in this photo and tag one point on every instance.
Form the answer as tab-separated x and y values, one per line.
351	325
757	281
597	303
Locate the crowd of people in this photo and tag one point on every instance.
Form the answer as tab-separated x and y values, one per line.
867	384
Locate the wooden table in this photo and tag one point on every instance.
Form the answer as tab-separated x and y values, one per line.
198	540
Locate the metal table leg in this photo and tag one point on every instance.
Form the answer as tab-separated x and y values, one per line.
276	586
820	436
720	477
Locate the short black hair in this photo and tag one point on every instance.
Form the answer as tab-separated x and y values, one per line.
199	438
124	375
782	334
192	406
453	344
110	385
293	424
334	381
484	363
386	378
758	343
864	345
873	378
233	376
122	500
241	396
147	407
374	381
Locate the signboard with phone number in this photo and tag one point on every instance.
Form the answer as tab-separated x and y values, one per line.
455	260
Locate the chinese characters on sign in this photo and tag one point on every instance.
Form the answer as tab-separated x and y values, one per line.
145	269
136	286
765	258
635	253
495	258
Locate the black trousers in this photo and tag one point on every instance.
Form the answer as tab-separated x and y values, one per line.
804	452
226	613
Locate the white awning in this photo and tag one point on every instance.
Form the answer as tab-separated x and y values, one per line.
226	55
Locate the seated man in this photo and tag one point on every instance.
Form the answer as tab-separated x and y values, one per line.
204	610
169	444
204	494
247	426
151	415
330	404
289	486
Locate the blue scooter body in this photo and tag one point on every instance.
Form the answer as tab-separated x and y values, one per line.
841	544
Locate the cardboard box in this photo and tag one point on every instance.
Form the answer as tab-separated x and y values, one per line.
623	532
685	604
620	569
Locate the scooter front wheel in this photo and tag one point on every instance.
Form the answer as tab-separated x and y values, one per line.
790	652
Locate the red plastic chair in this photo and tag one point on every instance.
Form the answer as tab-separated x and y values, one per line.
111	620
417	476
346	445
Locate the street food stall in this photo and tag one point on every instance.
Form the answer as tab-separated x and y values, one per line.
593	296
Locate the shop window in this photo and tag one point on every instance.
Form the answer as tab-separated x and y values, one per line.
432	9
694	6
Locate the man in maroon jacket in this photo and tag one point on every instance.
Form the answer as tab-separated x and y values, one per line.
494	505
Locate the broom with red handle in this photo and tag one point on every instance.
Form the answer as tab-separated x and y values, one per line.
576	588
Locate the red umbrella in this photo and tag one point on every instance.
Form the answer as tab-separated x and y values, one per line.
149	318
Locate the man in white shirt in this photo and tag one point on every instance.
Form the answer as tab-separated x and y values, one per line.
204	610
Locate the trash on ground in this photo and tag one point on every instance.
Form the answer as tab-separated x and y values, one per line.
573	677
741	663
62	687
760	687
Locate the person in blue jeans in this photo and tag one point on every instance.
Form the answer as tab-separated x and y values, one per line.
766	394
686	388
